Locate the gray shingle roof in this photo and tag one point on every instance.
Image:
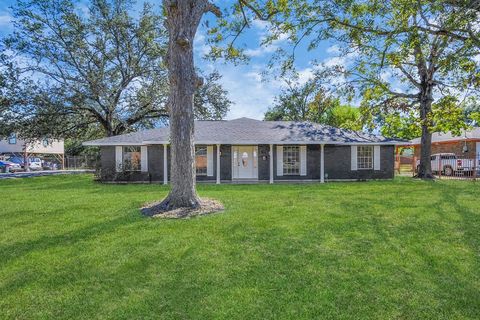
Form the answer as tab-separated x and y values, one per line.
250	131
445	137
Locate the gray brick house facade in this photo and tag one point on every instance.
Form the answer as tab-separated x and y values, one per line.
247	150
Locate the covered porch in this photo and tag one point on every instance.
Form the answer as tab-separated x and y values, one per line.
254	162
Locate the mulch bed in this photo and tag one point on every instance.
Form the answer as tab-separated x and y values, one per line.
207	206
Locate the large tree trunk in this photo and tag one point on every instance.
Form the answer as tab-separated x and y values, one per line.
183	18
425	168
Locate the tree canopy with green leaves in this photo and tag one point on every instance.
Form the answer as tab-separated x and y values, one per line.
397	62
94	73
312	102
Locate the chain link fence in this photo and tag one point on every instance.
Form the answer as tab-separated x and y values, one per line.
81	162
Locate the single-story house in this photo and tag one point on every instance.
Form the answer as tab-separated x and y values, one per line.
250	150
467	145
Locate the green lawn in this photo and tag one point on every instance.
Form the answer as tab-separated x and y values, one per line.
403	249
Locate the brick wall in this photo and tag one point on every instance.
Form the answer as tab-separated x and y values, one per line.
452	147
338	164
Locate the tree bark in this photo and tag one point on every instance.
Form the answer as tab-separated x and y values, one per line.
426	99
183	18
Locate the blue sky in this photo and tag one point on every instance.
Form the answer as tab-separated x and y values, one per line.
250	94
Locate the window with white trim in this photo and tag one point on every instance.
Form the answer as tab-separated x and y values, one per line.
201	160
291	160
131	158
12	139
365	157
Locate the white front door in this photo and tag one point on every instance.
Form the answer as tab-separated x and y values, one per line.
244	162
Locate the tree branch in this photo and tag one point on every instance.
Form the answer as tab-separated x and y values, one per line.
257	12
210	7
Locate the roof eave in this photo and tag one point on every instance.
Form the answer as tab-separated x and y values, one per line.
286	142
106	144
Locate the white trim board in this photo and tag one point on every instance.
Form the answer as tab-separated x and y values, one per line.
209	161
279	161
303	160
249	143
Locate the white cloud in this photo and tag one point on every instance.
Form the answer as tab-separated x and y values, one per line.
334	61
262	29
386	75
335	49
5	20
339	60
280	39
304	75
251	95
199	44
260	24
260	51
82	9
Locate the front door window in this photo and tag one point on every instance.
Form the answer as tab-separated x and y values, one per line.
245	159
244	162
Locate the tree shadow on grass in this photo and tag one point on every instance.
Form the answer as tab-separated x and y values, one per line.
19	249
460	287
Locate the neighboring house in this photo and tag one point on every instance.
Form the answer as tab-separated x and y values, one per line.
15	145
252	150
465	146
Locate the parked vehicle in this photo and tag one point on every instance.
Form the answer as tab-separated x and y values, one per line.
7	166
3	167
49	165
448	164
33	163
13	167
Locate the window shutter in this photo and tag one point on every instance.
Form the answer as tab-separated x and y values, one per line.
118	158
353	158
303	160
376	157
279	161
210	161
144	158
